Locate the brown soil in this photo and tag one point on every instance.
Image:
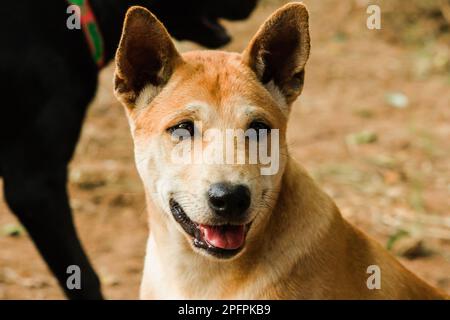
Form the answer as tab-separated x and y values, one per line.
399	180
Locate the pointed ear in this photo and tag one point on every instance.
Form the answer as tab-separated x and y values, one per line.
146	56
279	51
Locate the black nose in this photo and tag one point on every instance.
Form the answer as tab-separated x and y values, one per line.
229	200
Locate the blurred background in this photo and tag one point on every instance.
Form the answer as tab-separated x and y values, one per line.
372	126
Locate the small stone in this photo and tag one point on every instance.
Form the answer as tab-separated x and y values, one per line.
397	100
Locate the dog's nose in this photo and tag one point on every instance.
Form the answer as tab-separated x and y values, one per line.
229	199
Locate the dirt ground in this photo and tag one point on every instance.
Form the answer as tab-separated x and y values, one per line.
383	159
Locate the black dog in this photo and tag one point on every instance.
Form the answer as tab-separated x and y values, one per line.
48	77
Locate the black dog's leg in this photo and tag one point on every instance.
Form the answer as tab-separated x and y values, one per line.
35	177
40	202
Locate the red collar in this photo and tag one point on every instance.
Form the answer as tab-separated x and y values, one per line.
91	30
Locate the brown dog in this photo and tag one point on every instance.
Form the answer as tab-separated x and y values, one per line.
226	231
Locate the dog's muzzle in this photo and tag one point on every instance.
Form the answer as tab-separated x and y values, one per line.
222	241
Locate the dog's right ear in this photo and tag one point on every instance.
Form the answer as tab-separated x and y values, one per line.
146	57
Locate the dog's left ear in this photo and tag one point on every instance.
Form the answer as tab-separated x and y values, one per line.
146	56
279	51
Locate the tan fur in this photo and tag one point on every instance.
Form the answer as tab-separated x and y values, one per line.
299	246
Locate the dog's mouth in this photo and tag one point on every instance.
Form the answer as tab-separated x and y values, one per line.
222	241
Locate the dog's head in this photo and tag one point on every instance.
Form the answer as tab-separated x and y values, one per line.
199	20
211	106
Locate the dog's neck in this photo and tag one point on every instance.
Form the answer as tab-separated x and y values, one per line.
110	14
290	232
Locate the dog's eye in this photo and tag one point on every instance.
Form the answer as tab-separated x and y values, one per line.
259	125
186	126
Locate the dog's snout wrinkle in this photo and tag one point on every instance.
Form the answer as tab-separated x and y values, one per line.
229	200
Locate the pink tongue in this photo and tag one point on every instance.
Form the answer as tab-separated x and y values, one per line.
224	237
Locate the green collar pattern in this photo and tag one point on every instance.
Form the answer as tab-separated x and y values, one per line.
91	30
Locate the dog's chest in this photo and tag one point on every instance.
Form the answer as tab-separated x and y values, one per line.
174	276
